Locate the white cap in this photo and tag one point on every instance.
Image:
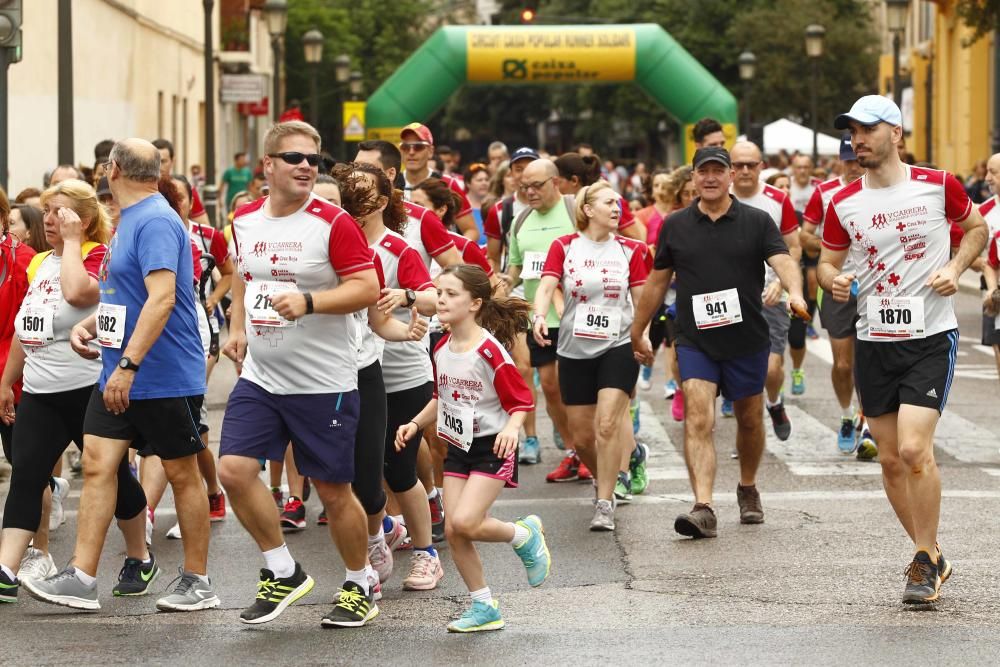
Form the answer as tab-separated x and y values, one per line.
870	110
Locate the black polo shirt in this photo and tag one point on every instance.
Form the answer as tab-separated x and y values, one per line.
709	256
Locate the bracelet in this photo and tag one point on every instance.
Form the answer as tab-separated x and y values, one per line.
537	316
309	302
415	424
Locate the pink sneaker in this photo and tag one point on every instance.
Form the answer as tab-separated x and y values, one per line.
677	406
396	537
425	572
380	556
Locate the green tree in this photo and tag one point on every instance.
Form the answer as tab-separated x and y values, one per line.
983	16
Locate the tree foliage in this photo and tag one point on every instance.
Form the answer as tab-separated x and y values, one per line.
983	16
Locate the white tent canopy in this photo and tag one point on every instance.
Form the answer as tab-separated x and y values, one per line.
785	134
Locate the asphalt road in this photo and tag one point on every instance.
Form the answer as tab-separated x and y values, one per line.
818	583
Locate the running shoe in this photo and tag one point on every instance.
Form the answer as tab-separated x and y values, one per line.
633	412
306	489
425	572
727	408
380	556
135	577
293	517
811	332
352	609
623	489
274	594
669	388
637	468
478	618
8	587
65	589
557	439
35	564
604	515
530	451
192	593
437	517
677	406
698	523
846	442
217	507
780	421
149	527
748	498
923	580
645	377
279	497
798	382
583	473
321	520
175	532
57	515
534	552
537	380
374	585
867	448
944	566
566	471
396	537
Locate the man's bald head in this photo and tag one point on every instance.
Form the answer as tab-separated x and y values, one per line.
136	160
993	173
538	182
747	165
745	151
539	170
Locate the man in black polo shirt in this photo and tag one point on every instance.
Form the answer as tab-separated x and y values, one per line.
717	247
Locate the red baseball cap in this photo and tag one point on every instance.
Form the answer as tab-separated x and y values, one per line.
420	130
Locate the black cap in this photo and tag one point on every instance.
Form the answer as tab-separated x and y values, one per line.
103	188
711	154
524	153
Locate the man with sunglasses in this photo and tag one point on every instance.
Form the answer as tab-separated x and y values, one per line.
304	269
747	188
417	147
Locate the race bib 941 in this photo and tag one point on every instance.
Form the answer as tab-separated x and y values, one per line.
716	309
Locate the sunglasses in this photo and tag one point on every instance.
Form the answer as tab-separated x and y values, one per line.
477	166
738	166
295	158
413	146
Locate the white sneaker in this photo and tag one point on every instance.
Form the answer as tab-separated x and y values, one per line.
36	564
175	532
380	556
57	516
149	527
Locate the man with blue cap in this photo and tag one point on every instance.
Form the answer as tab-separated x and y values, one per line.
839	319
894	223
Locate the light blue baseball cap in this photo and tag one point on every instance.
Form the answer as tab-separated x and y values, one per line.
870	110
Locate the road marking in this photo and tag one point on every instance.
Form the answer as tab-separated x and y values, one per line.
666	462
966	441
985	349
812	448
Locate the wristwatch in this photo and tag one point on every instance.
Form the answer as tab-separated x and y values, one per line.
127	364
411	298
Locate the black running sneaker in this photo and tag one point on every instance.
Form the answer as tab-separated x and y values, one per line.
437	518
779	419
699	522
8	588
352	609
923	580
135	576
293	518
748	498
274	594
322	519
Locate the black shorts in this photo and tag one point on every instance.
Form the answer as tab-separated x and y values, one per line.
543	356
480	460
839	318
581	379
991	335
164	427
915	372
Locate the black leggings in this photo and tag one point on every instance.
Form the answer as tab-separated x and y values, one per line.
401	467
369	441
46	424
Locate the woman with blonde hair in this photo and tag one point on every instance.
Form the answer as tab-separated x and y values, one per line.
58	383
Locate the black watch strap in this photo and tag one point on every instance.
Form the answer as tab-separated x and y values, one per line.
411	298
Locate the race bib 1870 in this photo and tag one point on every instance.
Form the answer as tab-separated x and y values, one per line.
716	309
259	305
897	317
110	325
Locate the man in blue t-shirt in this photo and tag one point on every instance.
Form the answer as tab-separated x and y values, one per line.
150	391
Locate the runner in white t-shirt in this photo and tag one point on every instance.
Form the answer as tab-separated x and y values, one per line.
895	224
598	272
304	268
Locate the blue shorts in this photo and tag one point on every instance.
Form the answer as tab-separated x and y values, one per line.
737	378
321	428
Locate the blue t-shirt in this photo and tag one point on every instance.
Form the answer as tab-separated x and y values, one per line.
151	237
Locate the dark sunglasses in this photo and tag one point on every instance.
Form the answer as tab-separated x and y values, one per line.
295	158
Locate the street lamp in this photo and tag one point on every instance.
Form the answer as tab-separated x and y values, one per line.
815	34
276	16
312	43
748	67
209	190
342	68
357	84
895	21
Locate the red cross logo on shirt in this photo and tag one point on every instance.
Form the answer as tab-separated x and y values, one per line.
579	283
455	395
48	290
572	271
879	288
573	294
881	266
604	270
247	277
583	298
872	250
858	236
894	279
274	259
900	226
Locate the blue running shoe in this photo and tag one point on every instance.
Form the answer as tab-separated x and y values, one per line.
727	408
533	552
798	382
845	438
538	380
633	410
479	617
530	451
669	389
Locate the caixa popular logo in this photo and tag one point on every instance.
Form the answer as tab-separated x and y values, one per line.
879	221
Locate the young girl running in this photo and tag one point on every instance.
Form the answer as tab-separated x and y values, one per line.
480	401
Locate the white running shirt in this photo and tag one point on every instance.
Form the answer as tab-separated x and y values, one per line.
425	232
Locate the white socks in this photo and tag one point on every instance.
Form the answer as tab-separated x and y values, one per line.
280	561
377	537
521	535
482	595
848	412
359	577
84	578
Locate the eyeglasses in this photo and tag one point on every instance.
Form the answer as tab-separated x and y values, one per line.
739	166
295	158
107	166
535	186
413	146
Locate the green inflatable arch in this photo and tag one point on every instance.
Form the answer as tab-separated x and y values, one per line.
642	53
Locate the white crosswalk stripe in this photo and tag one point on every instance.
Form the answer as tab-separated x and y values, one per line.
666	460
812	448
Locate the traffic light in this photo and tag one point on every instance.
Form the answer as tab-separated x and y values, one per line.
10	22
528	14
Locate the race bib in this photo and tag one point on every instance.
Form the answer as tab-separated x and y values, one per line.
34	326
533	263
259	305
597	322
110	325
896	317
717	309
455	424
